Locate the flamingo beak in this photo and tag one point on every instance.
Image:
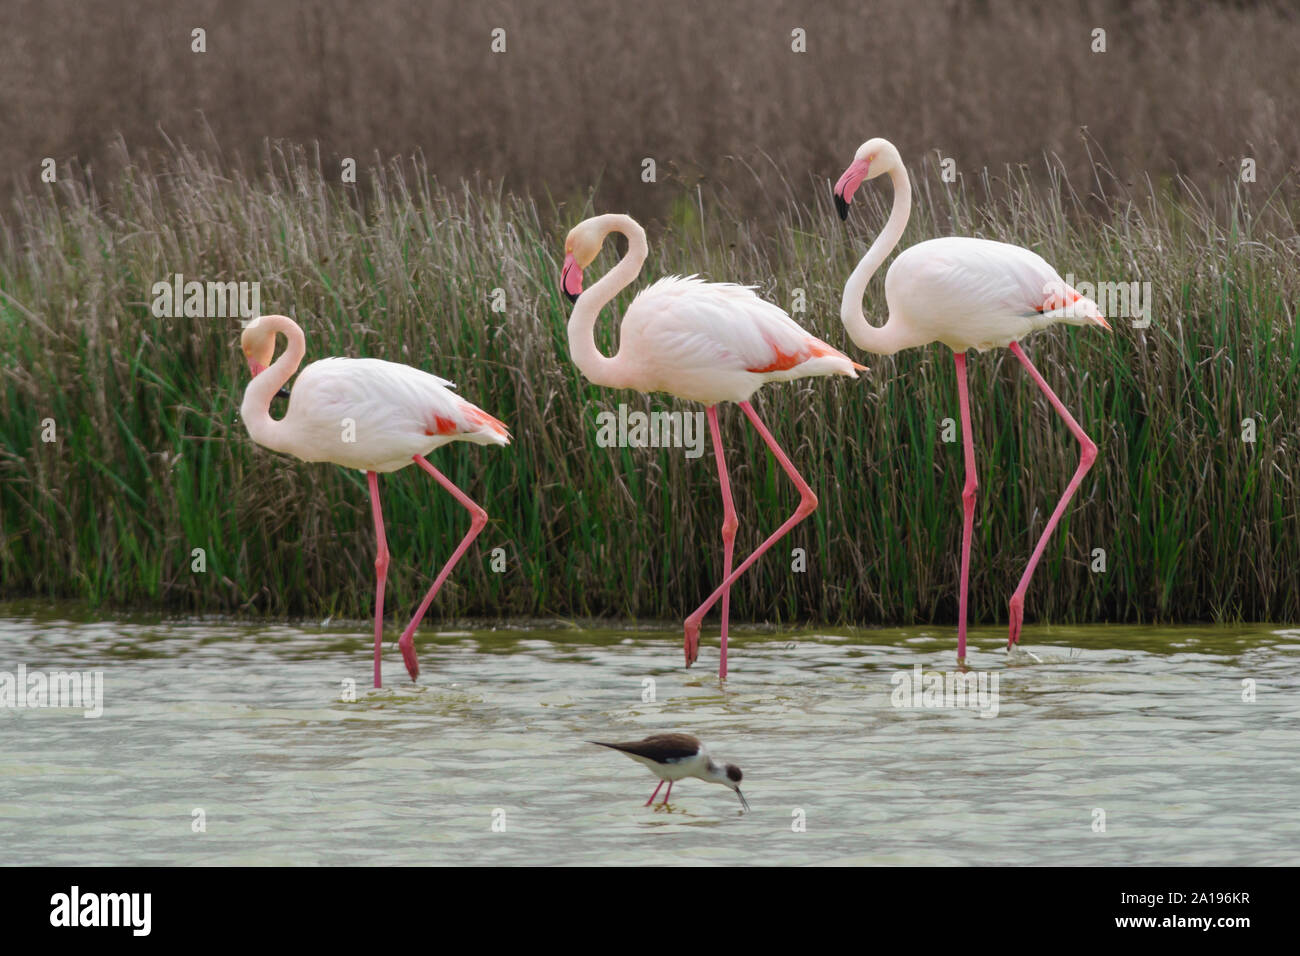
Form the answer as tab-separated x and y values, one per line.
571	278
848	185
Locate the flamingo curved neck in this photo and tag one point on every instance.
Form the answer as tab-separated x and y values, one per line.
256	407
601	369
889	338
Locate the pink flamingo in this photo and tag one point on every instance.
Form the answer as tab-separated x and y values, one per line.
367	414
702	341
965	293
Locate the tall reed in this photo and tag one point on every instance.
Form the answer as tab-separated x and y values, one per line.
584	91
152	462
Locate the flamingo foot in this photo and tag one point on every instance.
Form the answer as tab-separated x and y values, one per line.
407	644
1017	620
692	643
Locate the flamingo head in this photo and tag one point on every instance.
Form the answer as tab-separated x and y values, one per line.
1087	312
1066	304
258	343
581	246
874	157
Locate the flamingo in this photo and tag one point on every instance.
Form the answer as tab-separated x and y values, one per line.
701	341
367	414
965	293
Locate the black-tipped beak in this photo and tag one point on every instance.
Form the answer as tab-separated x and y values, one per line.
841	207
570	264
282	393
743	802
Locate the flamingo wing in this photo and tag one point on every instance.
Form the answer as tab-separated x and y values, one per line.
691	323
981	292
389	403
960	273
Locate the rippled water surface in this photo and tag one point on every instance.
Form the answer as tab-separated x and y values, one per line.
248	724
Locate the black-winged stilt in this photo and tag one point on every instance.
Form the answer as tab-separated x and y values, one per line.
674	757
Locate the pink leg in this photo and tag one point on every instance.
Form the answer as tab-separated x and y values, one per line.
653	795
381	567
1087	456
729	526
669	793
967	502
478	518
807	504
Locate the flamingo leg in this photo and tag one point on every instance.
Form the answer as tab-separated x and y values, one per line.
653	795
381	567
478	518
729	526
807	504
1087	455
967	502
669	793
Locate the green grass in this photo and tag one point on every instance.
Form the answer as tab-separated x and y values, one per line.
152	461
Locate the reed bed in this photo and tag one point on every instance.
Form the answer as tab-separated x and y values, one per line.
151	460
584	91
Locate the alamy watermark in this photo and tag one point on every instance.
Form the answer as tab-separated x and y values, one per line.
38	689
175	298
637	429
1116	300
970	690
128	910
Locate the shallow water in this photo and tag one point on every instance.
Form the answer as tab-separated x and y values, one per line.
246	723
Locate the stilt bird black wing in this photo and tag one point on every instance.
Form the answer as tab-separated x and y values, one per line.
661	748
